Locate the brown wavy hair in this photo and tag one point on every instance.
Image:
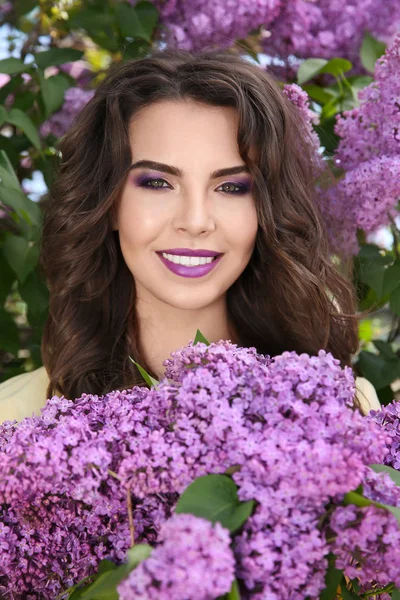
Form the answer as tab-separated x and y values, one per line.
289	297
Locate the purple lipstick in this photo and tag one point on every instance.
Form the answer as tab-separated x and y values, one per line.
190	263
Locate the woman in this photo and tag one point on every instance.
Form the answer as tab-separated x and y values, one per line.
184	201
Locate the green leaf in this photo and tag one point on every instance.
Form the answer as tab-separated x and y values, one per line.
26	209
370	251
19	119
394	302
76	594
9	337
3	114
336	66
347	594
377	369
138	21
326	133
309	68
333	578
234	593
7	278
99	22
214	497
371	50
106	565
359	82
7	173
21	255
104	587
396	594
395	475
34	292
385	349
199	337
393	509
373	272
12	66
52	91
318	93
391	278
148	378
357	499
57	56
385	395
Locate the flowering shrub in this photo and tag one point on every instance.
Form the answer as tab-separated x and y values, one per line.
304	28
369	153
90	477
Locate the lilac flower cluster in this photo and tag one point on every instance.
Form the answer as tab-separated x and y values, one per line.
193	559
286	428
330	28
367	544
206	390
63	510
369	153
75	99
300	449
197	24
388	418
291	427
304	28
308	117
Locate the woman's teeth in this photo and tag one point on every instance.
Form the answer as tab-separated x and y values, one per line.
189	261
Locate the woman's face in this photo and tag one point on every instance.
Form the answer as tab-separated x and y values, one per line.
176	215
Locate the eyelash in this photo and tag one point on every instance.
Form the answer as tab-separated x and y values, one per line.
243	189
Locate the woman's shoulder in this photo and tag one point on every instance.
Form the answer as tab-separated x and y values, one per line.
23	395
367	395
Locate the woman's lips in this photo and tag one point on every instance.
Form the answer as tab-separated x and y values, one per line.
193	271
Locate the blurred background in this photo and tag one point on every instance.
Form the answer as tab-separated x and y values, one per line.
338	61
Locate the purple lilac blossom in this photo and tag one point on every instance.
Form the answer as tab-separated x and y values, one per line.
369	549
193	559
300	451
330	28
368	544
389	419
288	424
300	99
65	509
292	429
369	153
196	24
79	71
75	99
304	28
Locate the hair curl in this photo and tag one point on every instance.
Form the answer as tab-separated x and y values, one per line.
289	297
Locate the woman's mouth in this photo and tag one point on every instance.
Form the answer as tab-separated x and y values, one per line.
192	263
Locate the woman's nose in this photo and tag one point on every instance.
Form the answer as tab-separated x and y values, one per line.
194	214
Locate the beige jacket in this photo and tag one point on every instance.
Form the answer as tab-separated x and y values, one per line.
24	395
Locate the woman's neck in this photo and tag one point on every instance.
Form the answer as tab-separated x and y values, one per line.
164	328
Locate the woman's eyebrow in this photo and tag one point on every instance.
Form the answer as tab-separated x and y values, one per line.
151	164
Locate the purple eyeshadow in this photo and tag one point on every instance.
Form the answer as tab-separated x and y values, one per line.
141	180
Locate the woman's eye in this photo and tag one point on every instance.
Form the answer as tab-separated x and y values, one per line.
234	188
228	188
148	182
